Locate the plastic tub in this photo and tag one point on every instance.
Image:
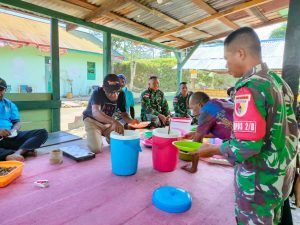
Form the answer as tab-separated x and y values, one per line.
185	147
181	124
124	152
8	178
164	153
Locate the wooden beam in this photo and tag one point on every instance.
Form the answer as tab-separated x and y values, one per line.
270	22
115	16
257	13
83	4
106	7
143	27
55	125
155	12
237	8
210	10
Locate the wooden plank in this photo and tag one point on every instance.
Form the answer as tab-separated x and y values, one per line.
60	137
83	4
210	10
28	96
27	105
35	115
115	16
106	53
143	27
36	125
217	15
257	13
106	7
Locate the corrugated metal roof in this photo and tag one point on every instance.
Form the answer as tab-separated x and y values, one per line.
211	57
163	17
28	31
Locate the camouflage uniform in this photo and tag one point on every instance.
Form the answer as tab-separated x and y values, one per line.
153	103
181	107
264	160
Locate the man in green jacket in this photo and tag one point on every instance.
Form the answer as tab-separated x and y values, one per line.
154	104
264	140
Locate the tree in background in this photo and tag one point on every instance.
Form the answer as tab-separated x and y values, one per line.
132	51
278	32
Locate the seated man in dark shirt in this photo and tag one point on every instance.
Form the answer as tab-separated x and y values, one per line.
215	118
99	118
15	144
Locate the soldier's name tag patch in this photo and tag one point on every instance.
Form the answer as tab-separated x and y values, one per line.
146	96
175	100
241	104
244	126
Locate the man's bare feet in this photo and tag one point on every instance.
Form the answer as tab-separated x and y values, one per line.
192	167
29	153
15	157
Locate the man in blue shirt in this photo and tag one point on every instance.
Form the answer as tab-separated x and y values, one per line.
128	96
15	144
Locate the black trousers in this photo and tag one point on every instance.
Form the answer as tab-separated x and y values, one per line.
26	140
286	218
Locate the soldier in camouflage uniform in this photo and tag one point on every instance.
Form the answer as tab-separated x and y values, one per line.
180	102
154	105
264	140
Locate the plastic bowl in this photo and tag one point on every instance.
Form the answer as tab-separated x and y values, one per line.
187	146
139	125
148	134
8	178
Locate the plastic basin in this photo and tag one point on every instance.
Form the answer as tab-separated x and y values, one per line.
8	178
185	147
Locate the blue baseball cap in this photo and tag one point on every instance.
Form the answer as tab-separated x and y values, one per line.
122	76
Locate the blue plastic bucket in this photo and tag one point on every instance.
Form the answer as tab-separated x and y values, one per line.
124	152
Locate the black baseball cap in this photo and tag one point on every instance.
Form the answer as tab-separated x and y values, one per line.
111	83
3	83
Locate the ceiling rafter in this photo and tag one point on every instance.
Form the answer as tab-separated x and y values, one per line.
270	22
164	16
210	10
237	8
106	7
115	16
257	13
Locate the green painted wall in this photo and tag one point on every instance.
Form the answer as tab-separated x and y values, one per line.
26	66
23	66
73	65
36	118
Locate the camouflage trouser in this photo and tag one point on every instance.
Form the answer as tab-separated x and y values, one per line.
251	213
155	121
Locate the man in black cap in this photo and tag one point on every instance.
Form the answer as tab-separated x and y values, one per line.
15	144
99	118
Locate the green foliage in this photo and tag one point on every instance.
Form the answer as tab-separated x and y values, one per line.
278	32
163	68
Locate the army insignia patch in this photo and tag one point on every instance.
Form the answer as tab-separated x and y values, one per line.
241	103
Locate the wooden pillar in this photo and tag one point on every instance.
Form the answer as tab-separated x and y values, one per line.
55	74
106	53
291	60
